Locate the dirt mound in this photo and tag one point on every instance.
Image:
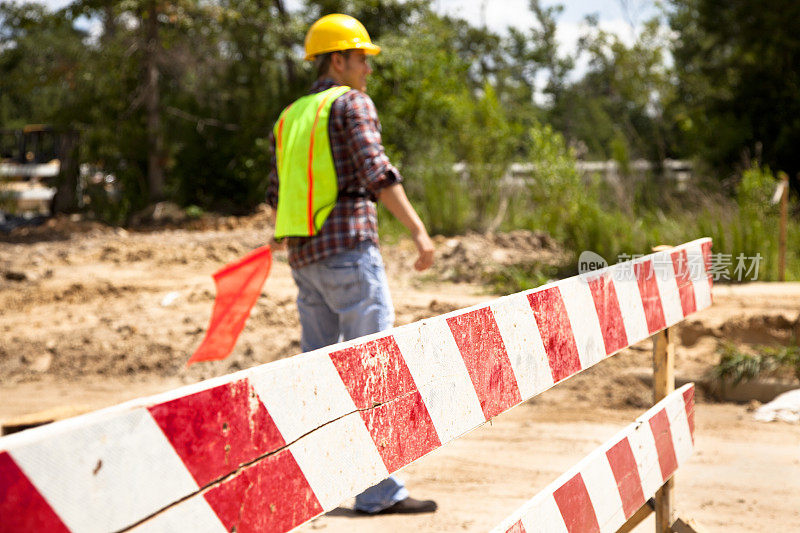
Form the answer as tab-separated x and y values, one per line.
112	302
164	216
477	257
159	217
132	331
106	301
778	327
83	299
57	228
92	313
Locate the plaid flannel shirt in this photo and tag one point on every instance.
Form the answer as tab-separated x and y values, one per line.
362	169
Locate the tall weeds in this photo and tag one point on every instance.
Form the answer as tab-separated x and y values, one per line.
746	227
584	214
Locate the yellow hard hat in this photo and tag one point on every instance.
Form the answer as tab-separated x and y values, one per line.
337	32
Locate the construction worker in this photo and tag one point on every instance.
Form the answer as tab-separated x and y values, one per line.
328	171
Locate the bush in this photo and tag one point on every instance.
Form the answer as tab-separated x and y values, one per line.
747	226
739	366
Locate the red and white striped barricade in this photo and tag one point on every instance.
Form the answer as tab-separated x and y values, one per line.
604	490
270	447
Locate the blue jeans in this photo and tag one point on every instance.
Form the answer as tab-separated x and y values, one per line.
344	297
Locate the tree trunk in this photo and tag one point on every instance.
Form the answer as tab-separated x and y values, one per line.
66	197
155	136
291	76
109	23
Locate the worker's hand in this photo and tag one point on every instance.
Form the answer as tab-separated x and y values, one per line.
425	249
395	199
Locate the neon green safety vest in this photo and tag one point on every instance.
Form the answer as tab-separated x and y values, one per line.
307	185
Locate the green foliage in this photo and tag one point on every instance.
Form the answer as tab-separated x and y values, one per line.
458	105
786	357
755	190
434	116
194	211
568	206
8	203
737	366
620	153
738	69
39	59
747	226
419	87
758	230
616	110
524	276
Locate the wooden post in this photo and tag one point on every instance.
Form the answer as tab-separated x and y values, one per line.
663	364
663	384
784	222
638	517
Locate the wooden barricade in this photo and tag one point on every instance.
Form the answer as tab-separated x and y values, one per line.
271	447
613	487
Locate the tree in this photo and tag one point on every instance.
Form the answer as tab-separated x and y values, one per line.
40	57
617	109
41	54
738	78
176	98
147	26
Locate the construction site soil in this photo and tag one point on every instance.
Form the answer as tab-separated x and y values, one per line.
92	315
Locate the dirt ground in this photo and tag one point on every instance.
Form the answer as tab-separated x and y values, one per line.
92	316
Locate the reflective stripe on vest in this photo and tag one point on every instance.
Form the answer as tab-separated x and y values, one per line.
307	185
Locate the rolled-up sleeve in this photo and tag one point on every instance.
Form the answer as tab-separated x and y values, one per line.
373	170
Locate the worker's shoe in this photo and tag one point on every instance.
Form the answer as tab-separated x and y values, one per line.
408	506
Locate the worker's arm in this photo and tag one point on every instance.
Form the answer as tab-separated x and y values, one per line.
376	174
395	199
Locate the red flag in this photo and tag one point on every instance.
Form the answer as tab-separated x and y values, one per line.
238	287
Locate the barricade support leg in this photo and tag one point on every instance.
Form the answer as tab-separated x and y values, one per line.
638	517
686	526
663	384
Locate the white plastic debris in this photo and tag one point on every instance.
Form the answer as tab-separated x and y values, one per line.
785	407
170	298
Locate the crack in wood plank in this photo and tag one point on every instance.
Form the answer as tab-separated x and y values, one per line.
219	481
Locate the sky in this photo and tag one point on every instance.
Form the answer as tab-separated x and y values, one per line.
616	15
622	17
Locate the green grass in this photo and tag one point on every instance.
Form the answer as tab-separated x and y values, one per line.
589	214
745	226
521	277
737	366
